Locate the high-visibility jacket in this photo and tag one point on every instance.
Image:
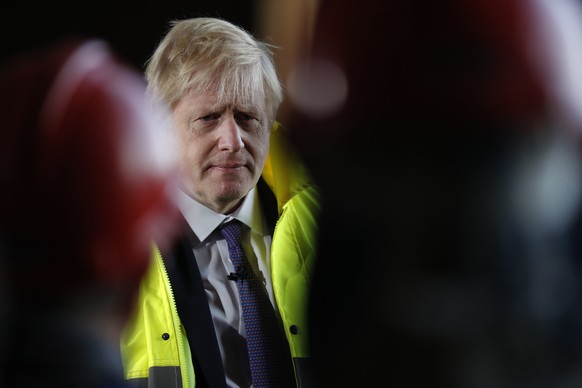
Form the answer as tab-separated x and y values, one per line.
155	349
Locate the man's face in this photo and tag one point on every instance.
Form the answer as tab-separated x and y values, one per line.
223	148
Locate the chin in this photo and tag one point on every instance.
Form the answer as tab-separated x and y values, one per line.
232	192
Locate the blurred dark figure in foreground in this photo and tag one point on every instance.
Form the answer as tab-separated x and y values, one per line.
445	136
83	178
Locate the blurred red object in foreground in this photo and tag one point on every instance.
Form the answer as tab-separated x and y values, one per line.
84	170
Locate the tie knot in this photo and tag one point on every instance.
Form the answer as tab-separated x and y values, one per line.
232	231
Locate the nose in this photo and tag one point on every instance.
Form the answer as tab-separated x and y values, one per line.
229	135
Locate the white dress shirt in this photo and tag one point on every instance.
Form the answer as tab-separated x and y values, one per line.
214	263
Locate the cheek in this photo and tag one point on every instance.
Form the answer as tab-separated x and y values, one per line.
262	149
257	140
188	145
190	154
190	174
180	147
185	152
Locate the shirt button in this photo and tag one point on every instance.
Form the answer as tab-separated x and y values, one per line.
294	329
165	336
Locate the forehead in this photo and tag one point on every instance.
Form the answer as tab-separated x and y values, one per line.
213	101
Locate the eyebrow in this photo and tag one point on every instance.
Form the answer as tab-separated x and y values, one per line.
247	108
239	107
220	106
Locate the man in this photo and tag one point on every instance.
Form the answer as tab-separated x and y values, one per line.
223	93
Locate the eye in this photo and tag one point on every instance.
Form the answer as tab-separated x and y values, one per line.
244	117
209	117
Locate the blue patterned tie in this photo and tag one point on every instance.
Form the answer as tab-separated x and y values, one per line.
269	359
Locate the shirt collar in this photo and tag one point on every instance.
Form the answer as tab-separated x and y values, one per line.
203	220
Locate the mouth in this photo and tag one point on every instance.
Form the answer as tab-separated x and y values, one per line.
227	166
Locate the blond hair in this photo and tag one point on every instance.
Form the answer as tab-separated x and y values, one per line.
211	54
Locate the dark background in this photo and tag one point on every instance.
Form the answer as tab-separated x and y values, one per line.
132	28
